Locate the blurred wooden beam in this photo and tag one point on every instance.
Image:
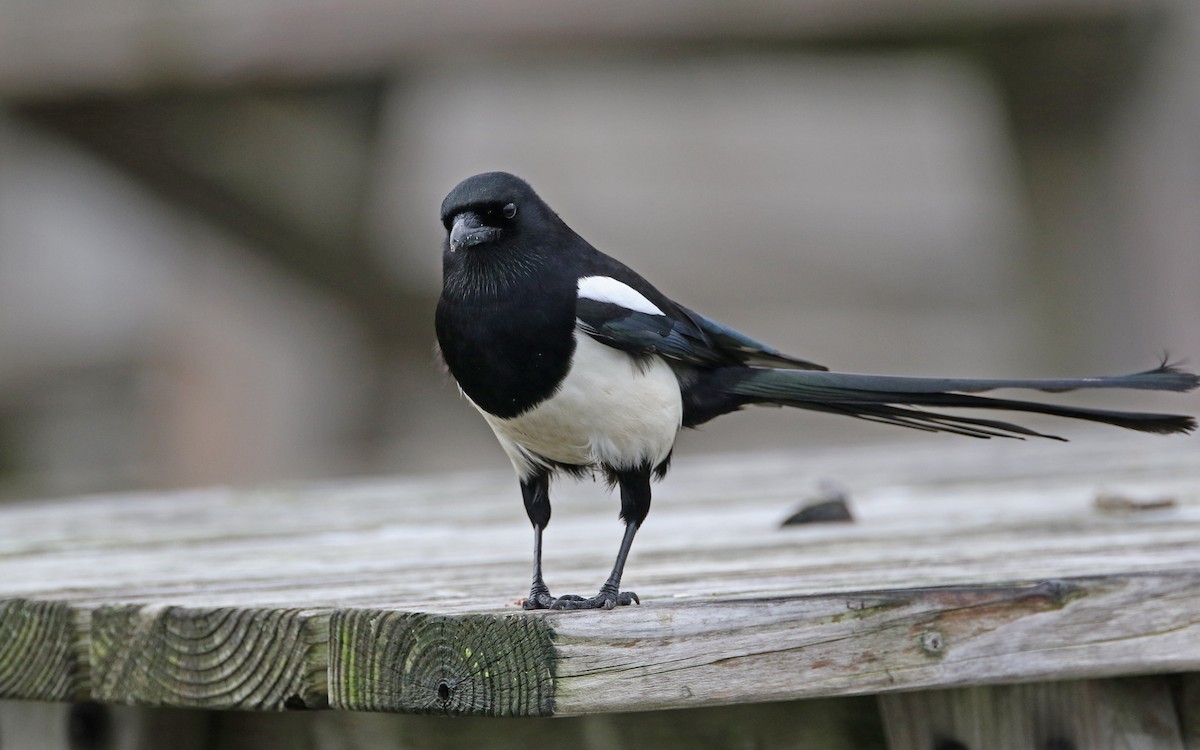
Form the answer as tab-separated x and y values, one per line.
162	142
60	49
1128	712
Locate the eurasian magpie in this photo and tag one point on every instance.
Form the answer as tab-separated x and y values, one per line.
580	364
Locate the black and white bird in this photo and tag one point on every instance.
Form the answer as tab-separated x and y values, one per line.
579	364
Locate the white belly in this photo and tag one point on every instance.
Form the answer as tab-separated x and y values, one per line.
609	410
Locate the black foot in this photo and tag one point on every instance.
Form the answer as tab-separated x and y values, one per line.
606	599
539	598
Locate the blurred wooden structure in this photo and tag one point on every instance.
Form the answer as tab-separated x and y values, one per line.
1021	200
986	595
261	41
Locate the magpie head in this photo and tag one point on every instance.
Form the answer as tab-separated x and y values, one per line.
487	209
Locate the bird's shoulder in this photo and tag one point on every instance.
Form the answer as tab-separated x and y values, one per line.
619	307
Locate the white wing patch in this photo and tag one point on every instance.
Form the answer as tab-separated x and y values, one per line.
608	289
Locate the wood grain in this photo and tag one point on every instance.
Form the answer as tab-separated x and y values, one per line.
38	651
966	565
873	642
419	663
224	657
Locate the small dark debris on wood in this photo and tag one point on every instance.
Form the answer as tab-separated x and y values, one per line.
829	506
1112	502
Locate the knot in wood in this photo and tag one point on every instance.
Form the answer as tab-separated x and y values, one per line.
932	642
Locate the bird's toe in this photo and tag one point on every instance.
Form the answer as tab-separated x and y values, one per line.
539	598
603	600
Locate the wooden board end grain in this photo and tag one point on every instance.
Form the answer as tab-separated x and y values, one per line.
419	663
208	658
39	651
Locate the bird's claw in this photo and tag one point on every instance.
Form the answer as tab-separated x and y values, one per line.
606	599
539	598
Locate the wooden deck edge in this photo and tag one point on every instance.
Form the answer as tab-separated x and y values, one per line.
221	657
656	656
877	642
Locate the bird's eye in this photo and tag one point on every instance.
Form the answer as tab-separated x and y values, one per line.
509	210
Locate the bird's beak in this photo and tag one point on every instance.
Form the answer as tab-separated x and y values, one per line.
468	230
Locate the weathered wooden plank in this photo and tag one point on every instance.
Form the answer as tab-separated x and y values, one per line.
924	518
370	594
874	642
1121	714
647	658
223	658
753	650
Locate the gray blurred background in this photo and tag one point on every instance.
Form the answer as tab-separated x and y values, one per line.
219	236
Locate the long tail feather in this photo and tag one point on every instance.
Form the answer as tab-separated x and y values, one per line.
883	398
1165	377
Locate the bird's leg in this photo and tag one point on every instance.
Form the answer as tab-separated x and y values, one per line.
610	593
635	504
539	593
536	492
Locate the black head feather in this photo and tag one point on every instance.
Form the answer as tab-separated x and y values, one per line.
490	191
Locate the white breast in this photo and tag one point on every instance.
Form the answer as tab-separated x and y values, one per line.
609	410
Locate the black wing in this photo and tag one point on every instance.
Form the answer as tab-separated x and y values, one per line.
680	335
